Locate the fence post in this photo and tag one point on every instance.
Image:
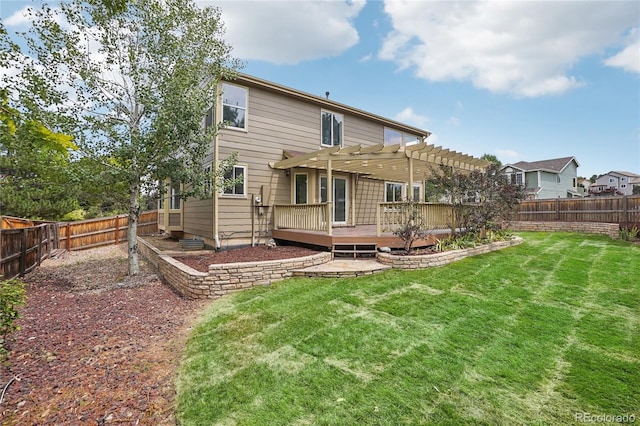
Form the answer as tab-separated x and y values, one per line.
625	209
23	252
39	249
67	244
557	205
117	237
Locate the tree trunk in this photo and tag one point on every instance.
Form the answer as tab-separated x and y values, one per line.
132	228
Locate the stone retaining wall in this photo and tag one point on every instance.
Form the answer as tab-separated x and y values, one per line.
224	278
610	229
439	259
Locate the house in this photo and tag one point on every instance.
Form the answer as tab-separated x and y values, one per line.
555	178
312	168
615	183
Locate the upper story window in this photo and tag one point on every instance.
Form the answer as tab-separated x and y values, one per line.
515	178
234	106
238	173
332	129
392	137
611	180
558	179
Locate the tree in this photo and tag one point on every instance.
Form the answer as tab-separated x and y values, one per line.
492	158
35	181
479	198
133	83
414	224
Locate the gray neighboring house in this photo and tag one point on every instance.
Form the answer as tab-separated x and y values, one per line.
615	183
555	178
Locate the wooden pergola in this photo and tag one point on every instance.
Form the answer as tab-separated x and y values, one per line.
395	163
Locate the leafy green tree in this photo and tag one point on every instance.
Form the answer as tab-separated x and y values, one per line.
35	181
134	83
492	158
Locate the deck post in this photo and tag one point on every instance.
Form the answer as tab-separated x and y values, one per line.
329	197
378	221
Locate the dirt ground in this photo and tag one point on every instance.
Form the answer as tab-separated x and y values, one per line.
99	347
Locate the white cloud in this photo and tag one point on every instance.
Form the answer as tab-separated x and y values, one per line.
19	17
453	121
627	59
522	48
409	116
287	32
508	153
366	58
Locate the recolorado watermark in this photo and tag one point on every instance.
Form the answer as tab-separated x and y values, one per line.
605	418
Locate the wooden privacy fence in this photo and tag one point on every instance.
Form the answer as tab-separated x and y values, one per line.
624	209
24	248
103	231
24	244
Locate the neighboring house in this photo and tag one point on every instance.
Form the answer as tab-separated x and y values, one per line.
556	178
583	186
615	183
304	158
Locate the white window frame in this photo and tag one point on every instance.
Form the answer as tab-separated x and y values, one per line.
244	108
174	197
395	185
295	188
333	114
244	184
393	136
208	179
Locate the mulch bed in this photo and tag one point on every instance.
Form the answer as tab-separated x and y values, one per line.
95	346
99	347
247	254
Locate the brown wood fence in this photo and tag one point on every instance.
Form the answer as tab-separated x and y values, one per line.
24	244
621	210
23	248
103	231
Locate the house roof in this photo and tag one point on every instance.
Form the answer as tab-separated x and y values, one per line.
555	165
252	81
384	162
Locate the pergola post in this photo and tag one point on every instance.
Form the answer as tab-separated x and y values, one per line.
329	198
410	190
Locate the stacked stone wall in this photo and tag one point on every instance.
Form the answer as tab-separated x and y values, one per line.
610	229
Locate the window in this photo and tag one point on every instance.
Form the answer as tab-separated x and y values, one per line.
611	180
558	178
574	182
624	185
174	201
393	192
332	129
161	198
209	120
392	137
416	191
410	139
239	173
207	184
234	106
519	179
300	195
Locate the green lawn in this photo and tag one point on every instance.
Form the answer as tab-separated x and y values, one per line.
533	334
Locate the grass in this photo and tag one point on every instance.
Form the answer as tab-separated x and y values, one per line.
533	334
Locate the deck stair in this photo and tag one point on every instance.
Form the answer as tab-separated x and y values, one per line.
354	250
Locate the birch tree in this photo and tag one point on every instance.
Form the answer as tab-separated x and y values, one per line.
132	84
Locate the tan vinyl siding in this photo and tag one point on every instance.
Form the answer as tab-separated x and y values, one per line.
359	131
198	217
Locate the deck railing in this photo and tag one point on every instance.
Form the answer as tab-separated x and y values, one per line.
310	217
392	216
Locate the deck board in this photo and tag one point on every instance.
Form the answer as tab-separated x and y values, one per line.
361	234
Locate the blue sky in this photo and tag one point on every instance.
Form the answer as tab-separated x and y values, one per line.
521	80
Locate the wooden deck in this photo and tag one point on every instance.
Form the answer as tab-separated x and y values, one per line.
353	235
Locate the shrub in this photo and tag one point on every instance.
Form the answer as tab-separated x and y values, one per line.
413	224
629	234
13	295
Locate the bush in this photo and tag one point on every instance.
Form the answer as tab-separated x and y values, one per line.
629	234
13	295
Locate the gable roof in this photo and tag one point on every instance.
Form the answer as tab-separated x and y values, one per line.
622	173
251	81
556	165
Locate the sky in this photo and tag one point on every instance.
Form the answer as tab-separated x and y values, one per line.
521	80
